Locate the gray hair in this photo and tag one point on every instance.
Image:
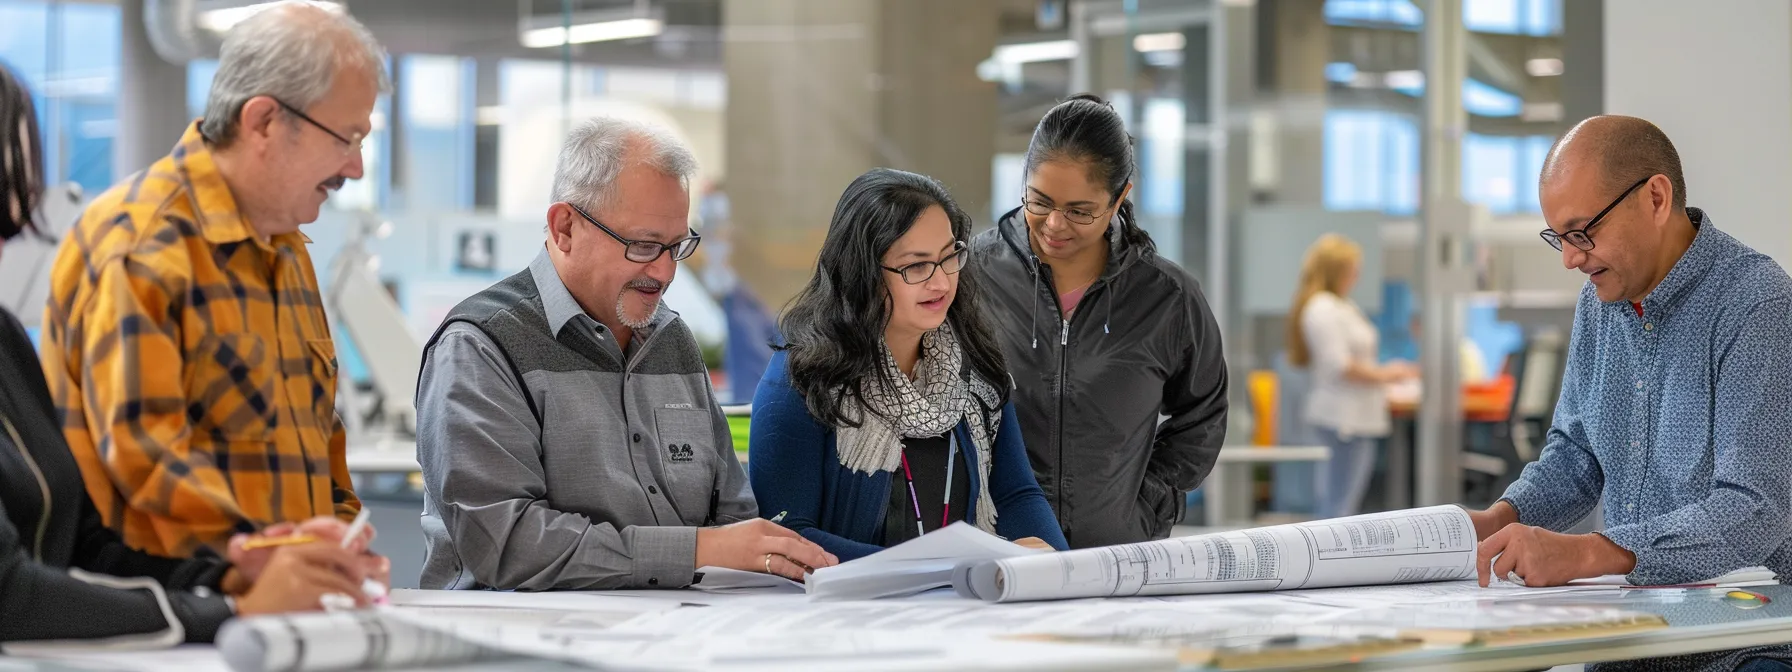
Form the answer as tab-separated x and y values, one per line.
290	52
596	151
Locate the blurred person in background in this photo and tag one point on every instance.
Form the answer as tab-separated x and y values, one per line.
1347	404
886	416
185	341
1104	337
63	573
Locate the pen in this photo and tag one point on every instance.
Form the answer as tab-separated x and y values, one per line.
715	500
374	591
356	528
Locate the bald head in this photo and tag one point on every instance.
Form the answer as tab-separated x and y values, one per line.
1620	150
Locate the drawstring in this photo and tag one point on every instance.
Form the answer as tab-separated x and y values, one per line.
1111	299
1034	270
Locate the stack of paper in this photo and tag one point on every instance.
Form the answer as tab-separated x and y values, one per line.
914	566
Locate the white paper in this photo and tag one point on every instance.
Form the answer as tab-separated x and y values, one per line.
186	658
555	601
1741	578
862	650
724	579
917	565
1430	544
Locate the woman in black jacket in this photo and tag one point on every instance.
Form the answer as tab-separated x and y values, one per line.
65	575
1103	337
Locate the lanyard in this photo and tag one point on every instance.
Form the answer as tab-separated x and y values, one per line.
946	507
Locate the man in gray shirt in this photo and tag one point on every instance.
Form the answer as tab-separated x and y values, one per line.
566	426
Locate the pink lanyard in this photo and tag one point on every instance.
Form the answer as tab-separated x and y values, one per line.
946	509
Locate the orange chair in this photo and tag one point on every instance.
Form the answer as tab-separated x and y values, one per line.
1262	388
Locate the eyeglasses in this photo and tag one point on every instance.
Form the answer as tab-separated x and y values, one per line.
1580	237
351	142
1076	216
646	251
922	271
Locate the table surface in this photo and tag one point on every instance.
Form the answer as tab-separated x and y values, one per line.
1698	622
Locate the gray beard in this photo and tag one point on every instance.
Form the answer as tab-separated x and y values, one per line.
627	321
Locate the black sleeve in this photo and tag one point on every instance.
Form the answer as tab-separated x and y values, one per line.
100	550
39	603
1188	443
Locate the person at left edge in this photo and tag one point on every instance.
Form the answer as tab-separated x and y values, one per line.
886	415
568	433
63	574
185	341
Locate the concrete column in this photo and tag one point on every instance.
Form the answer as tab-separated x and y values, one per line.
1723	94
1583	60
486	94
1301	50
152	97
819	92
1444	274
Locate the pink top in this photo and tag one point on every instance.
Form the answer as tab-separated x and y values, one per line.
1069	300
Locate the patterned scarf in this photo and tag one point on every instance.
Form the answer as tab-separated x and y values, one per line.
933	404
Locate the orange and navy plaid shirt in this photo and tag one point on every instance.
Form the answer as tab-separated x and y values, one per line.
192	364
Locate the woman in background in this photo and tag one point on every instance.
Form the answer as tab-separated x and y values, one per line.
65	575
1120	379
886	416
1347	402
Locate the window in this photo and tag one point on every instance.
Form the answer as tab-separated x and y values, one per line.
67	54
1371	161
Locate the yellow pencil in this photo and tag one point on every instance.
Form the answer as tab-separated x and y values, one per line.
270	542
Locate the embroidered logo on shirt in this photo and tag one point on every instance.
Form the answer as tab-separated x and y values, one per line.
681	453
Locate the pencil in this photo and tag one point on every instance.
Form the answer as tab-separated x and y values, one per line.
270	542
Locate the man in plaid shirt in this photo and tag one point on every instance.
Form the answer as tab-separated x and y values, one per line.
185	341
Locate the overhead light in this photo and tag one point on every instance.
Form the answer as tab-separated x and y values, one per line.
1541	112
603	31
1150	42
223	19
1034	52
489	115
1543	67
1404	79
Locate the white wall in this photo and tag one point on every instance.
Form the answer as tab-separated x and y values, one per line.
1716	76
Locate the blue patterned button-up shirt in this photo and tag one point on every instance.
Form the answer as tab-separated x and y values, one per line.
1679	420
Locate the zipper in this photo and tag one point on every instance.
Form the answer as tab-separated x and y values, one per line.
43	486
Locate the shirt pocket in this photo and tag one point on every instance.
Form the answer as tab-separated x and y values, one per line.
687	449
322	395
232	388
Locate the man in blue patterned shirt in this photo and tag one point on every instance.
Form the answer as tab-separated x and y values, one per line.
1676	406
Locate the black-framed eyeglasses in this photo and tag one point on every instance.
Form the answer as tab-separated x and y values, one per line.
1076	216
646	251
922	271
351	143
1580	238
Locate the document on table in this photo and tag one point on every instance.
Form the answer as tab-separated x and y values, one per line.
1418	545
863	649
917	565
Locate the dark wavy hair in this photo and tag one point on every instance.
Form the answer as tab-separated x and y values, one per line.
834	328
21	157
1086	130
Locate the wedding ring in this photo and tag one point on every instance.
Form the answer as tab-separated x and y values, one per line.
768	563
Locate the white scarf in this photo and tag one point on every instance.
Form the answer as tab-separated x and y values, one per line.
933	404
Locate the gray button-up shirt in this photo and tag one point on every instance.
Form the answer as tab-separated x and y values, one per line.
1679	418
631	454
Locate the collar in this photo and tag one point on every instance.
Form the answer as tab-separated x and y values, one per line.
1686	273
556	300
561	308
214	206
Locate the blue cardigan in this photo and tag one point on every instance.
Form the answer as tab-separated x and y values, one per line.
796	470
